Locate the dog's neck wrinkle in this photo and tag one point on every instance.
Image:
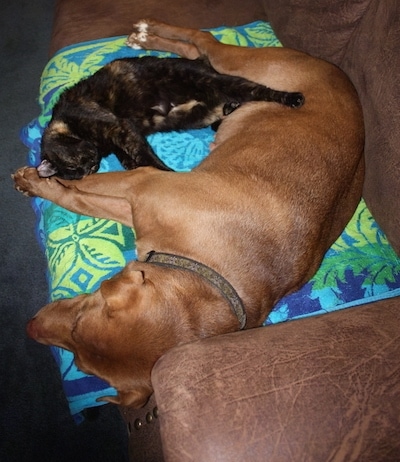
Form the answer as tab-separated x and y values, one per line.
211	276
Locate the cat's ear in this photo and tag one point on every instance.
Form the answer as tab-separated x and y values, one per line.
163	108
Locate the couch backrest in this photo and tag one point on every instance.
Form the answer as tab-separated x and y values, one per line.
363	38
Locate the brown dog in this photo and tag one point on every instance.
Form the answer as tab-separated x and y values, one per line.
261	211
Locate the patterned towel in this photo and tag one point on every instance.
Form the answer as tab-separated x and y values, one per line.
81	251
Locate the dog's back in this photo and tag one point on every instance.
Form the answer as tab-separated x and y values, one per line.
278	188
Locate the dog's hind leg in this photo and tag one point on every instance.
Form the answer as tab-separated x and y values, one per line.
276	67
189	43
192	44
143	36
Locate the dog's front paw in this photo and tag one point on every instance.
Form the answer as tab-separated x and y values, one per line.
28	182
24	179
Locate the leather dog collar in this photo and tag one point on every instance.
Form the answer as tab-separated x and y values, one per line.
214	278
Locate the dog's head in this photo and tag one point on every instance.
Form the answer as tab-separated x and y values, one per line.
116	333
65	154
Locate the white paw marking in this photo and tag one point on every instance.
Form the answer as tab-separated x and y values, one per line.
135	39
141	36
142	26
133	45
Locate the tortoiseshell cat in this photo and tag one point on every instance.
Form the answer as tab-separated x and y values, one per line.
115	108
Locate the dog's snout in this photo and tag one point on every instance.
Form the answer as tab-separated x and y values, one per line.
31	329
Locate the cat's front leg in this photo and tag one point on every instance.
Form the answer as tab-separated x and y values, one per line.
133	150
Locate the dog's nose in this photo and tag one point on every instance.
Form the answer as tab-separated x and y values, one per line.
31	329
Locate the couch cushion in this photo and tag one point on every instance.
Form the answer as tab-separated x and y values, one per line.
363	38
372	61
322	28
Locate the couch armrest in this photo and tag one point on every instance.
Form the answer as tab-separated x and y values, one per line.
144	432
317	389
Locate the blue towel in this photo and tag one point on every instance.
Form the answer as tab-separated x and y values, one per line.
81	251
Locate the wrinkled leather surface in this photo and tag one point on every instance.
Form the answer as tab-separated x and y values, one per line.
321	389
363	38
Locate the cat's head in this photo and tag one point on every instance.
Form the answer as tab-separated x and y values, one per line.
65	154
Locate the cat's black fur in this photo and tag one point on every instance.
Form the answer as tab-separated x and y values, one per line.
115	108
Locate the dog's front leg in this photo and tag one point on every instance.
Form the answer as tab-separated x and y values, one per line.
66	194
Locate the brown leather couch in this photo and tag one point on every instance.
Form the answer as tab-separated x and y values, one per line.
323	388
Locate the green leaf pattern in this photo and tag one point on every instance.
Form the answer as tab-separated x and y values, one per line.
362	247
83	251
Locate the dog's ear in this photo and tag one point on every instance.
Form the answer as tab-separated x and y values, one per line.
134	398
121	288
